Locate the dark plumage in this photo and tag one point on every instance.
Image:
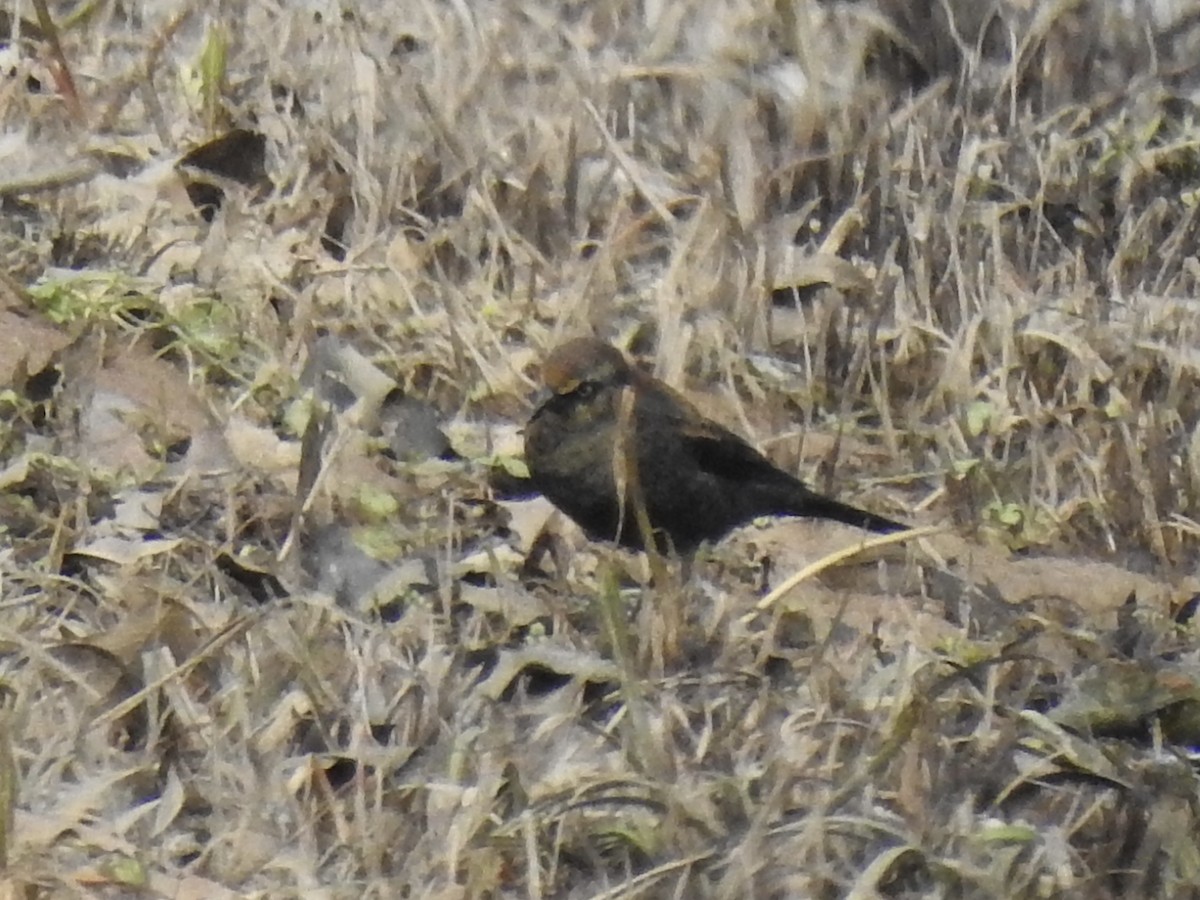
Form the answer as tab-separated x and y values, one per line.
698	480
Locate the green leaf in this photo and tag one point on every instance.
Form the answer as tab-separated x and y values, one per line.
213	60
979	414
379	542
127	871
513	465
965	466
376	505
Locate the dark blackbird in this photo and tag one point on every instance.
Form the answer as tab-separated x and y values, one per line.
698	480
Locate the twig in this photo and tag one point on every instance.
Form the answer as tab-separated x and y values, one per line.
58	60
833	559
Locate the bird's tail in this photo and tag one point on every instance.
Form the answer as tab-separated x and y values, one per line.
818	507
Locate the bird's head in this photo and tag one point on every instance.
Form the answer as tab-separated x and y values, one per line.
585	377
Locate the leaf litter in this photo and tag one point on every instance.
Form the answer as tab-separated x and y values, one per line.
281	616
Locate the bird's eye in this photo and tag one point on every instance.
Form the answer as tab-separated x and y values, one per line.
585	391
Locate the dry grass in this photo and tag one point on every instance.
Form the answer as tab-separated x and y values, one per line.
941	263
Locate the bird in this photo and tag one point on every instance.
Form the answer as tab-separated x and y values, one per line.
697	480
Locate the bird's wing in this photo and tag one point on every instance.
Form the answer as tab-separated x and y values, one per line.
716	449
721	452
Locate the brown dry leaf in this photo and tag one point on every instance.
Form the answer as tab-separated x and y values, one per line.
74	806
851	591
331	358
564	660
354	470
476	440
794	543
875	590
111	441
125	551
259	448
1097	587
149	382
27	344
1070	337
1053	742
129	399
170	803
527	519
1115	696
151	615
494	560
284	717
516	606
797	271
15	473
137	511
189	887
104	681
